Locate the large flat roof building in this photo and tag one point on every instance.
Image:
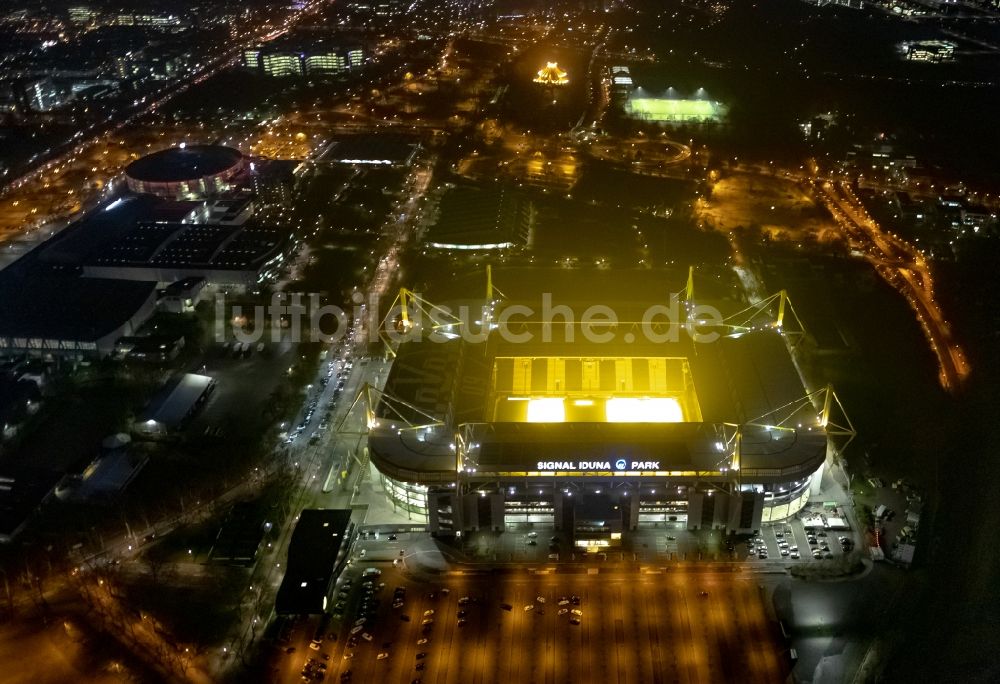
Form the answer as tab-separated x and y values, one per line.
316	552
145	238
48	309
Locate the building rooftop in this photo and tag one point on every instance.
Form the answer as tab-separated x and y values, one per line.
174	403
480	218
240	536
312	558
44	303
147	233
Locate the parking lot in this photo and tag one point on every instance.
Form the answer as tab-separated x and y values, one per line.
664	544
789	541
653	627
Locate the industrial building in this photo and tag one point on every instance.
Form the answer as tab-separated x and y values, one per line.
49	312
171	408
316	554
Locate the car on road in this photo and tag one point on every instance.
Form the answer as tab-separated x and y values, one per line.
540	599
530	606
382	656
577	612
428	612
421	641
563	611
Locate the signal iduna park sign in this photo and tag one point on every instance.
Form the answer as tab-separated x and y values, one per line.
620	464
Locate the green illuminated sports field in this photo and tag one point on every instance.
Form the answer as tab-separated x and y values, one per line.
662	109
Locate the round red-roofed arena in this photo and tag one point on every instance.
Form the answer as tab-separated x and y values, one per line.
187	171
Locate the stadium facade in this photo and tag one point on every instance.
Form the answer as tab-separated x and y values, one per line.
596	439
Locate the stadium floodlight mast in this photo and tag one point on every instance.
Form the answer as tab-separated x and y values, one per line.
407	416
441	320
831	417
747	319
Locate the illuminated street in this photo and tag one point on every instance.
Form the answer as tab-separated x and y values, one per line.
905	269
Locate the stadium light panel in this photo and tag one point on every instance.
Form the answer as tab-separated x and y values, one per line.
546	411
644	410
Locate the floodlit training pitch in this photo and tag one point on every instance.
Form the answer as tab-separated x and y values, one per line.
664	109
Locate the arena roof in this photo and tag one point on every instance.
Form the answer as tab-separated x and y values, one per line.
186	163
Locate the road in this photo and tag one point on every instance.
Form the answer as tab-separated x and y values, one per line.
905	269
321	461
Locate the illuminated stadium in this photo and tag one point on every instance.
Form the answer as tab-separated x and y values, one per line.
667	108
551	75
599	438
